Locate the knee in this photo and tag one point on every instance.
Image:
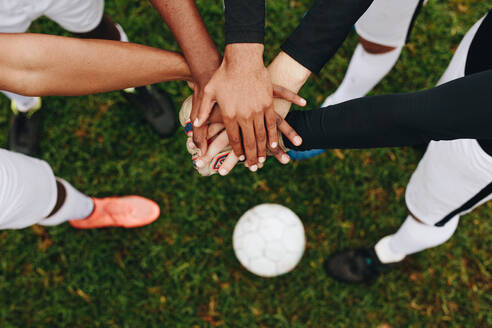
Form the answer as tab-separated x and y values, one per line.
374	48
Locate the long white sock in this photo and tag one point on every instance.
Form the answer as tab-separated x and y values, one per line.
23	103
364	72
413	237
77	206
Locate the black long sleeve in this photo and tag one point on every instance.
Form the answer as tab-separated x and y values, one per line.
322	31
459	109
244	21
316	39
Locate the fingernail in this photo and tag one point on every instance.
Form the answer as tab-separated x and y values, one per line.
285	159
303	102
195	122
242	158
274	145
297	141
253	168
222	172
199	163
260	165
261	159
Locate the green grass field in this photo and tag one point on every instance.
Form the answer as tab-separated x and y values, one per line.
181	270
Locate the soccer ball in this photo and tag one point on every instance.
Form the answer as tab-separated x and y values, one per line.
269	240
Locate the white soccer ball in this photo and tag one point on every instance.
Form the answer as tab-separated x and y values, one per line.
269	240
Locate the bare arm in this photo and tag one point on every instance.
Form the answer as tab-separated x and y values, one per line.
185	22
51	65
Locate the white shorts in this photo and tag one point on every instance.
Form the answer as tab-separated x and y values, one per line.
449	175
451	172
27	190
387	22
77	16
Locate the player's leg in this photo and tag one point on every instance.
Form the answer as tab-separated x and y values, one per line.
453	178
31	194
370	62
25	122
383	31
86	19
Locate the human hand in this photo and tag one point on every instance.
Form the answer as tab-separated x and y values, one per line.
243	89
215	135
220	145
219	153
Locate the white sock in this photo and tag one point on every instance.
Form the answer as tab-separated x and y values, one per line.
364	72
413	237
123	36
23	103
76	206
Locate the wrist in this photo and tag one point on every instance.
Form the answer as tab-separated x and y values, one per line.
242	53
202	77
204	72
288	73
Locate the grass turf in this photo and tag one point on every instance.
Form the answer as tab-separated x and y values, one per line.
181	270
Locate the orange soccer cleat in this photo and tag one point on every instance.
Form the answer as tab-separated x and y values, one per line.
126	212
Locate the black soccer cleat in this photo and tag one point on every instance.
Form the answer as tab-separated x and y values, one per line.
25	132
156	107
354	266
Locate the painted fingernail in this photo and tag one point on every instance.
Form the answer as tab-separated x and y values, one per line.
222	172
303	102
199	163
261	159
195	122
297	141
253	168
274	145
242	158
285	159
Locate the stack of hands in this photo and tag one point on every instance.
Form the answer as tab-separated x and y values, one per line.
239	115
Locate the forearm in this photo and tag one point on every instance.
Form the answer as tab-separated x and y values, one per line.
322	31
459	109
51	65
185	22
287	73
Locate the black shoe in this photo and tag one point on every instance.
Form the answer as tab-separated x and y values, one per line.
25	132
355	266
156	107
